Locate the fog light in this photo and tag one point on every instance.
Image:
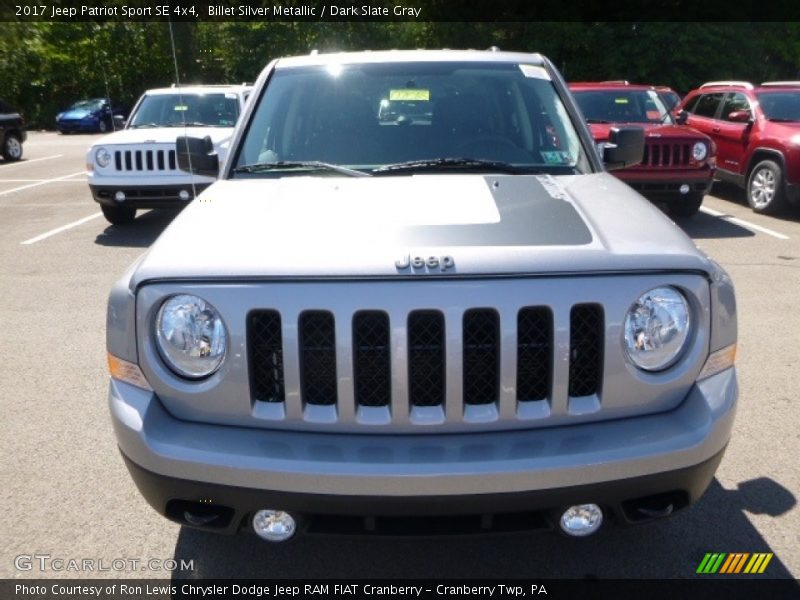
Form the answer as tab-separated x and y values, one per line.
119	196
684	189
274	525
581	520
184	195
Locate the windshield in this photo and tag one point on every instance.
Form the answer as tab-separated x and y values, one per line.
622	106
416	116
780	106
176	110
92	105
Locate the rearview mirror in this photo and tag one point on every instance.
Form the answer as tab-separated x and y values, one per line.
625	147
681	117
197	156
119	122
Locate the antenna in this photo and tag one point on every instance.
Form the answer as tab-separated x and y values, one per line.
180	96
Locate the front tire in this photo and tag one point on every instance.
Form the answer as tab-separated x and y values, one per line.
118	215
12	147
686	206
765	188
102	127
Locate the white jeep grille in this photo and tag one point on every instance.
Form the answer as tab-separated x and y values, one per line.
153	159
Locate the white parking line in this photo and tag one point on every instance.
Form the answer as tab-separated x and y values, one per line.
745	224
42	182
27	162
47	234
2	180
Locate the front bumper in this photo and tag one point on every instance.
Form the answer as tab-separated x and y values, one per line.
665	184
146	196
181	466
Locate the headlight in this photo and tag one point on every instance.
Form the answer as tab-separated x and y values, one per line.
190	336
102	157
656	328
699	151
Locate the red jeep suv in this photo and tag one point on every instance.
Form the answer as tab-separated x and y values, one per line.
678	163
757	132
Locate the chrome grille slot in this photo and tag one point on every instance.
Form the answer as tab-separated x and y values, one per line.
481	356
586	350
534	353
371	358
266	356
426	365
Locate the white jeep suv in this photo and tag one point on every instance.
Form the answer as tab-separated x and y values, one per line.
136	168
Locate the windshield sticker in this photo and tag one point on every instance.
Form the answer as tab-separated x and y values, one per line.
620	100
181	107
552	186
535	72
410	95
556	157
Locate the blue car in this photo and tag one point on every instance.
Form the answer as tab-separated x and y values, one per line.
88	115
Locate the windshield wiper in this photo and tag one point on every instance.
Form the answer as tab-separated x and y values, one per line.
300	165
780	120
143	125
443	164
601	121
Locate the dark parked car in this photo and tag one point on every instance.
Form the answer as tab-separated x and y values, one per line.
757	132
12	132
96	114
678	163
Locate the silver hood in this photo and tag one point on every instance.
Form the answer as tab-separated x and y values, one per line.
303	226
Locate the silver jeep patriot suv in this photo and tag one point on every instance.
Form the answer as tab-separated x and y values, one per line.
416	301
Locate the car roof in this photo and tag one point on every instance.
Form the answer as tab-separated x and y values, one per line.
767	86
199	89
398	56
771	86
607	85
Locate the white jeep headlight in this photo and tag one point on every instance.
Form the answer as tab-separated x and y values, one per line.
190	336
102	157
699	151
656	328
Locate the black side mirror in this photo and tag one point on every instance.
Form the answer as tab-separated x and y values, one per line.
625	147
119	122
197	156
681	117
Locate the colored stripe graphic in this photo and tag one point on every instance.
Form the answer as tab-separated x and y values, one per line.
759	562
734	563
727	564
711	563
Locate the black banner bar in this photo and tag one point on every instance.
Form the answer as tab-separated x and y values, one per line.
397	10
733	587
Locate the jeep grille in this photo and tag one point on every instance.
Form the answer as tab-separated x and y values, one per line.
666	154
426	360
145	160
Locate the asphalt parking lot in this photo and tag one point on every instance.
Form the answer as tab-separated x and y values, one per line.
66	494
